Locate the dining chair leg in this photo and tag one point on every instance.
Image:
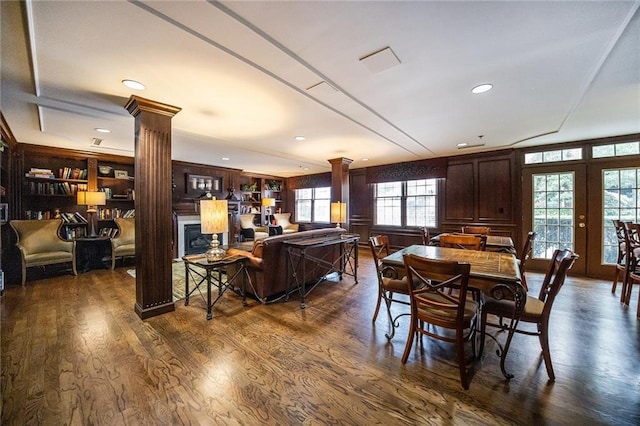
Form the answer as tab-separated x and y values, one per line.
543	330
461	361
410	335
375	313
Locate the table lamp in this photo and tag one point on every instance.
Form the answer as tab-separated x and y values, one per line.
338	213
91	199
267	203
214	218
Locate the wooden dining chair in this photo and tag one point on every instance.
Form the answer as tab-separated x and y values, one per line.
536	310
483	230
435	312
463	241
426	236
524	255
632	231
388	283
621	261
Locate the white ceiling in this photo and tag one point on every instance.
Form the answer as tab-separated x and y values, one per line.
240	70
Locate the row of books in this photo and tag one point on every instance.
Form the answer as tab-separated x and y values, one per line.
56	188
73	218
70	233
108	232
63	173
129	195
112	213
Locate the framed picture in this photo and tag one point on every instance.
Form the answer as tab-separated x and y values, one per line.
121	174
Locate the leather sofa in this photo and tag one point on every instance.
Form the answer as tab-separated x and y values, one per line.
268	263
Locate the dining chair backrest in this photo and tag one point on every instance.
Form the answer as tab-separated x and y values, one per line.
463	241
561	262
426	236
484	230
524	255
433	303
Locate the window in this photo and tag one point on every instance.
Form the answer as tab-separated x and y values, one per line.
553	213
616	150
313	204
621	201
569	154
410	203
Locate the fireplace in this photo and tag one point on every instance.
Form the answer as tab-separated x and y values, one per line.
190	239
194	241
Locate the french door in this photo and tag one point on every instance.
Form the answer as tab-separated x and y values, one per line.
555	207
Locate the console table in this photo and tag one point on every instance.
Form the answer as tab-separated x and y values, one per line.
198	269
297	255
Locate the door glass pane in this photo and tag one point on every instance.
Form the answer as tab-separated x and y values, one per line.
621	198
553	213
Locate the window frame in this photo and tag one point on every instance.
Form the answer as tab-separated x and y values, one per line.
403	198
312	200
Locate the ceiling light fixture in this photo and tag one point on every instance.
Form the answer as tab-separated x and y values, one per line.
300	138
225	158
482	88
460	145
132	84
365	159
102	130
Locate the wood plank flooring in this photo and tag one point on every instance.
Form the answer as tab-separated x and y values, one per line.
75	353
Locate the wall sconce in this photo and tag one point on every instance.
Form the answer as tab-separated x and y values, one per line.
214	218
91	199
338	213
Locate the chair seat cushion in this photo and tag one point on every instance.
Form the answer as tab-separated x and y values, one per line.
395	286
532	308
470	308
127	249
48	257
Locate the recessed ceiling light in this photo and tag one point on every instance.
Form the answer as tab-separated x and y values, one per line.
305	168
300	138
225	158
132	84
460	145
482	88
102	130
365	159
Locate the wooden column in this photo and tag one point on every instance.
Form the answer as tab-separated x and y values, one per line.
154	295
340	182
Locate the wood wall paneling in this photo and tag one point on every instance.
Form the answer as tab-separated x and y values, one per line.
459	192
494	190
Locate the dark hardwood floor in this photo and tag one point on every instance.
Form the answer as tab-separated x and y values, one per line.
74	352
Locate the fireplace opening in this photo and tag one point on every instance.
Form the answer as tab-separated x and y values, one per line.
195	242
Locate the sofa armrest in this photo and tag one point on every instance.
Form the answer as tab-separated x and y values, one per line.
254	262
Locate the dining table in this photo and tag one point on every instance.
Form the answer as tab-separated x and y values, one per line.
494	274
498	243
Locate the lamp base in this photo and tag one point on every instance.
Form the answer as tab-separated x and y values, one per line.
215	252
92	229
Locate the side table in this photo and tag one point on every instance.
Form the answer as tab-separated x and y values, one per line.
198	269
90	252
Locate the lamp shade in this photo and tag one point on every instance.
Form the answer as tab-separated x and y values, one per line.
92	198
338	212
268	202
214	216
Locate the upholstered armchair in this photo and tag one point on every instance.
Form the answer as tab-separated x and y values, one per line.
124	243
40	244
249	230
282	219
